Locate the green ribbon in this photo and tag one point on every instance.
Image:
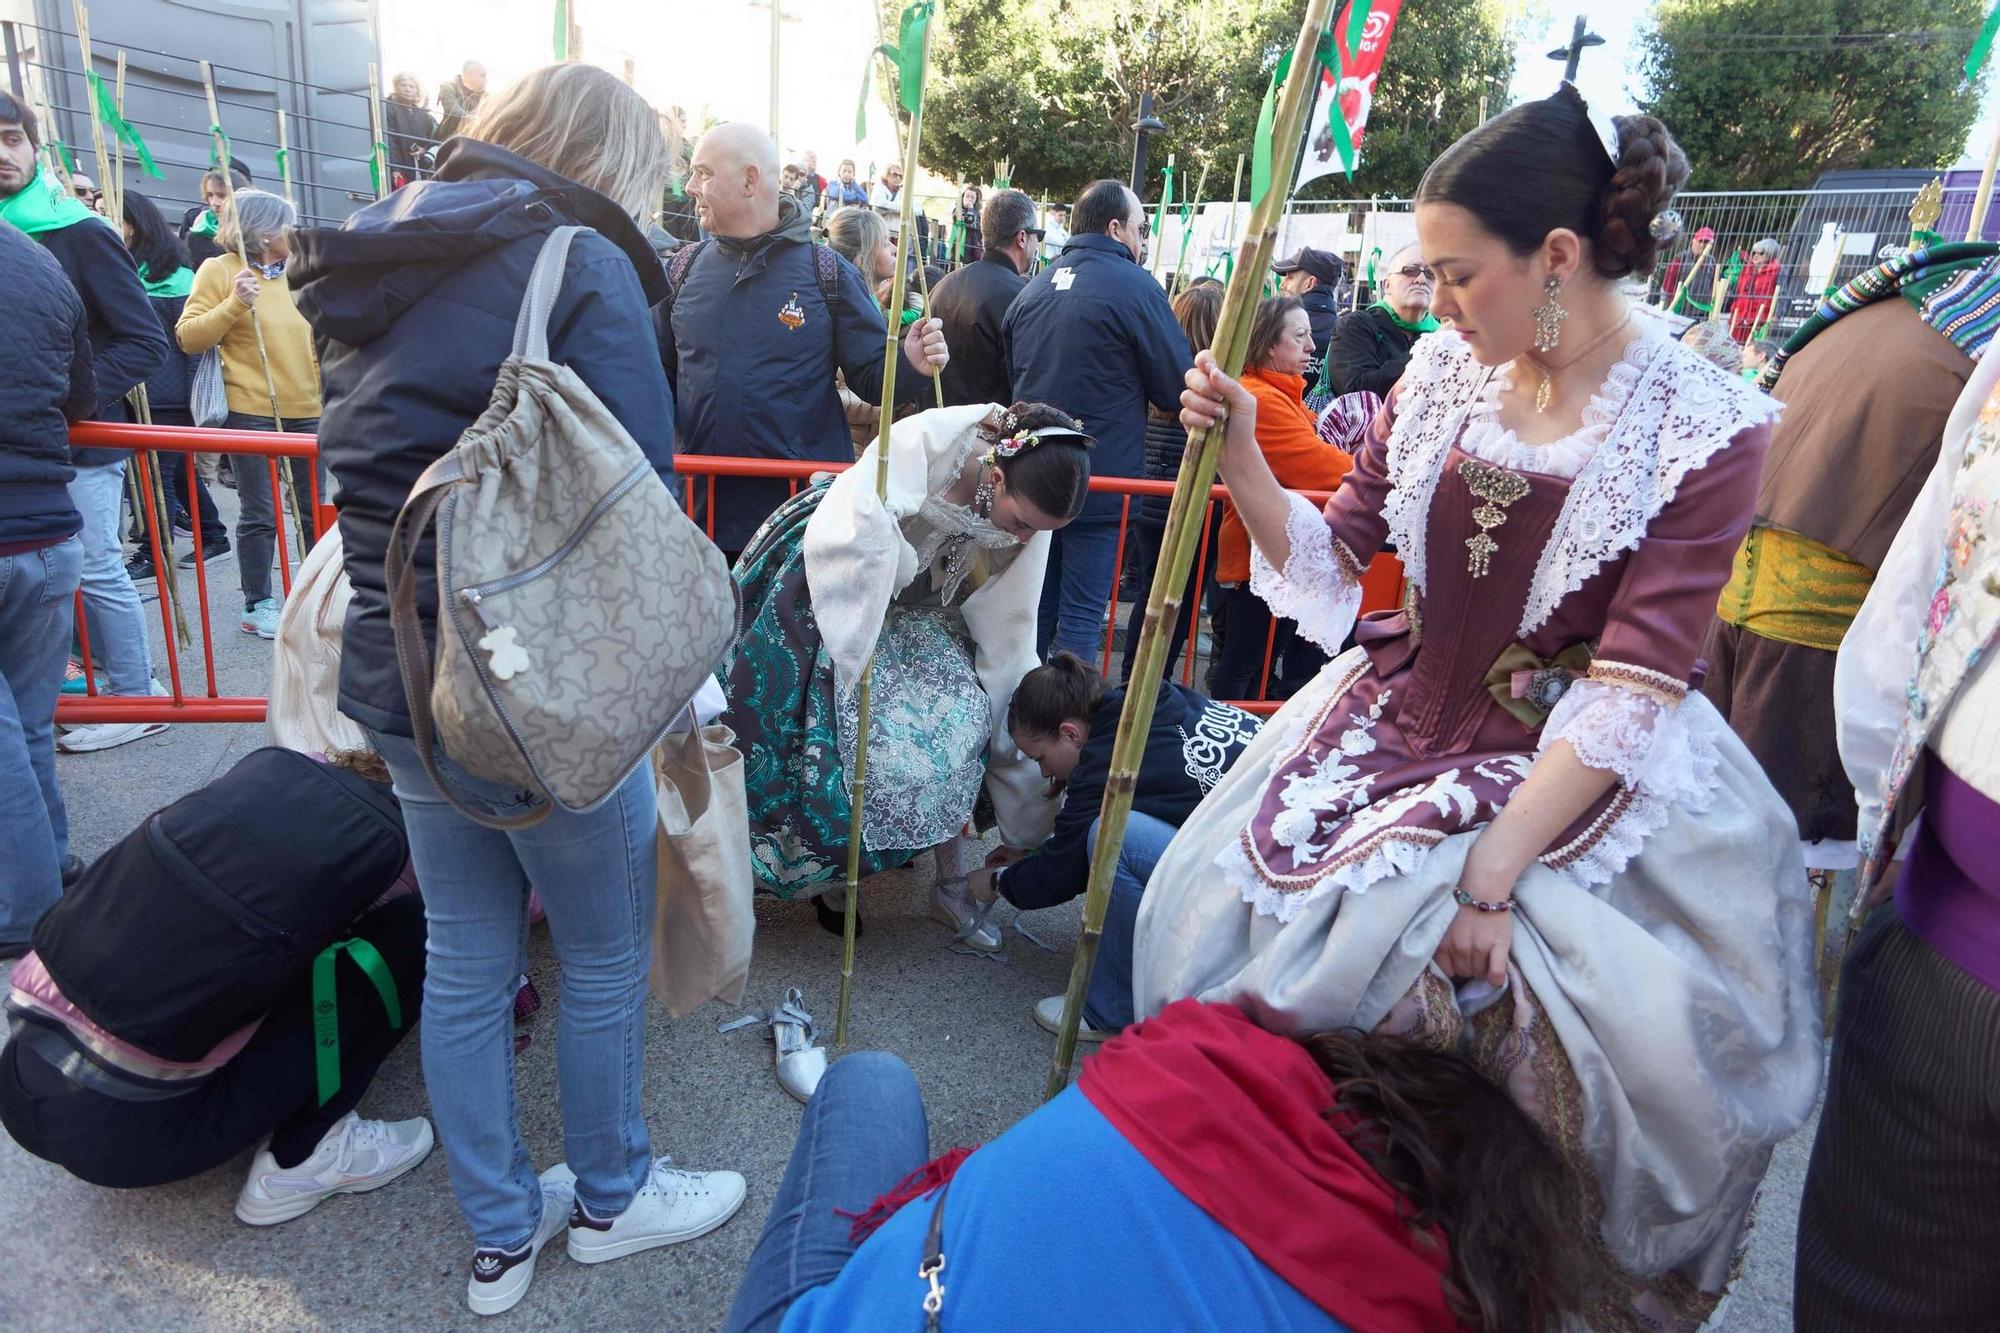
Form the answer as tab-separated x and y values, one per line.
1261	153
907	55
376	156
57	146
326	1006
1982	46
284	156
107	111
1357	25
218	148
955	249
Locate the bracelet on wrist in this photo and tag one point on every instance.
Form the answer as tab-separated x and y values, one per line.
1464	899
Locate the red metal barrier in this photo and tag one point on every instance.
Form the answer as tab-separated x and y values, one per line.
1382	585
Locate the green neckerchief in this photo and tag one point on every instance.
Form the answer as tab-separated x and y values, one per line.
42	205
178	283
205	224
1428	324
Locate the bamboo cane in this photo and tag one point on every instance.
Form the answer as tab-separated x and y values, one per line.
897	287
285	160
1184	522
288	493
376	149
1188	215
90	102
924	292
1983	197
44	113
118	167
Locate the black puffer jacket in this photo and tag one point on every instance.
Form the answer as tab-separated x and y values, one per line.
126	341
412	304
45	345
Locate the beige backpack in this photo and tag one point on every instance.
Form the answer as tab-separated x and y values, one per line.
579	609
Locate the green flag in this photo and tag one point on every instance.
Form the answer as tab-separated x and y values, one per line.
107	111
1982	45
1261	150
907	55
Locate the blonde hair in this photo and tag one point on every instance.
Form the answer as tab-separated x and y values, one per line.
582	122
264	217
857	235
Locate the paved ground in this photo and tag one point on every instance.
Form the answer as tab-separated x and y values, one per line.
81	1258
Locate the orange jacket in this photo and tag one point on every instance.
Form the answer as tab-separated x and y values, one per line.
1298	457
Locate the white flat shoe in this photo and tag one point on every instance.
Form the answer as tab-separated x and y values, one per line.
801	1064
951	906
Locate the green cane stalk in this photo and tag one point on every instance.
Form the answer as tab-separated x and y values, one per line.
1177	550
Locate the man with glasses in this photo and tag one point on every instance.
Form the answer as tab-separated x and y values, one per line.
1373	346
1093	334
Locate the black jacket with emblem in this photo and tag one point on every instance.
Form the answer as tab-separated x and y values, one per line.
756	344
1192	743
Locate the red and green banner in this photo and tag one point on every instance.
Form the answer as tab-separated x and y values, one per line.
1340	111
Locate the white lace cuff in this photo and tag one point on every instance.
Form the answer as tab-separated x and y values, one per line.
1320	586
1637	733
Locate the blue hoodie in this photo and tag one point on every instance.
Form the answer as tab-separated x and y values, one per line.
412	303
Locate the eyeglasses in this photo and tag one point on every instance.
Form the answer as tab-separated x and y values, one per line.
1145	227
1424	271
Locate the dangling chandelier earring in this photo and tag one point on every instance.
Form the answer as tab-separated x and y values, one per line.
982	497
1549	316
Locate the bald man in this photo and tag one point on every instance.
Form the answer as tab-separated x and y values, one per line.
761	318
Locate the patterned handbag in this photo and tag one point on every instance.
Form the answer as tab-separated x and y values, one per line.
208	400
579	609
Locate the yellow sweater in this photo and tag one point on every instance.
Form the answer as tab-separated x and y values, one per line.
213	316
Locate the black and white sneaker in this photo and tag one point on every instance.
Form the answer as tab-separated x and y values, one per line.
500	1277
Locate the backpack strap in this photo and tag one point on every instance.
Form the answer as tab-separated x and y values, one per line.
531	326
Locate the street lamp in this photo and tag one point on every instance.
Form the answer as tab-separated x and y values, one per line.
1571	54
1145	127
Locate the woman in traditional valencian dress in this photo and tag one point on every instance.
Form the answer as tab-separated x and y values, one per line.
940	584
1504	820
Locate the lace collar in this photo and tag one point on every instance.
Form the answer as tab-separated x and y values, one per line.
1485	438
1662	413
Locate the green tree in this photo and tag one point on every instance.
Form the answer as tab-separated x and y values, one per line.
1767	94
1056	88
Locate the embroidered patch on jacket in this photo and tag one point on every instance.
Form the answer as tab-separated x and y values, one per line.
1063	278
791	314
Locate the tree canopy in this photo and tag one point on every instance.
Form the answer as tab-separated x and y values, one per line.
1056	88
1767	94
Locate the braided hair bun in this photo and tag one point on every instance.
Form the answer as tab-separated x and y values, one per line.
1650	170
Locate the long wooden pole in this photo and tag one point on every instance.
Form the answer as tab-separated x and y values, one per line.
285	159
1984	198
897	286
287	490
377	150
118	167
1189	211
1177	549
90	103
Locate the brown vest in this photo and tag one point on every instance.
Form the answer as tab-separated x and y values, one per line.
1865	407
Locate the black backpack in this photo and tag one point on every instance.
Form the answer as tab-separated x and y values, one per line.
211	911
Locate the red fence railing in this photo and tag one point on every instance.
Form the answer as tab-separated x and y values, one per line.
1382	585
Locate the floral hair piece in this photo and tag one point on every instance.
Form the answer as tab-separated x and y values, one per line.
1007	446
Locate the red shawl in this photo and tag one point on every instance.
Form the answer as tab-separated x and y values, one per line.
1234	1116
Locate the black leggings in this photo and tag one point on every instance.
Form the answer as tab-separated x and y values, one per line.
1244	623
268	1088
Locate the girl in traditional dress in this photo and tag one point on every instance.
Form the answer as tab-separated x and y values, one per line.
941	585
1503	822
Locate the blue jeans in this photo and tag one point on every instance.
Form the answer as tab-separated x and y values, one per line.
256	518
863	1131
1076	592
118	649
596	875
37	605
1107	1005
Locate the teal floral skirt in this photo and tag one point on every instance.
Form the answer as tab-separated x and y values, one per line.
929	723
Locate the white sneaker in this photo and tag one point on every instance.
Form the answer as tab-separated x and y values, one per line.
500	1278
356	1156
673	1205
1048	1017
262	619
106	736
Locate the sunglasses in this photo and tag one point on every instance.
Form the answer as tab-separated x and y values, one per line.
1424	271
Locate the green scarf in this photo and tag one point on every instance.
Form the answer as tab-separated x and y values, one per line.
1428	324
43	205
178	283
205	224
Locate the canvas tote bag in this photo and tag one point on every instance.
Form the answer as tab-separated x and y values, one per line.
578	608
703	918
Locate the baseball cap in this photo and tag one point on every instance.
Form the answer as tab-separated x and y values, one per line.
1322	264
1704	233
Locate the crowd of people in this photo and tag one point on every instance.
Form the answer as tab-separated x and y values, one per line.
1474	987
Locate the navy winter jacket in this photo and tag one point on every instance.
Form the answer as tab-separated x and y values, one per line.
412	303
45	345
1323	314
172	385
126	341
756	344
1093	335
1192	743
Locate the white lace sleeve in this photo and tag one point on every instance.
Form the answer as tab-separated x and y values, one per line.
1637	732
1320	585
